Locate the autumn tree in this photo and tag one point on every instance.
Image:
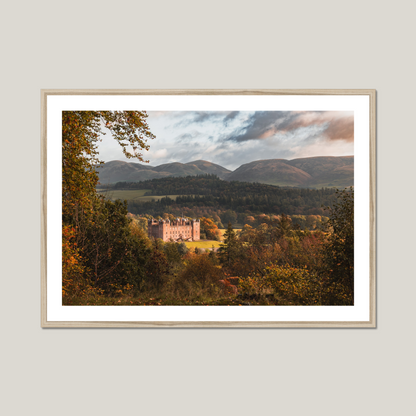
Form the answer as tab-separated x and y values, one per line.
81	132
72	268
199	275
284	225
339	250
106	252
210	229
249	219
283	285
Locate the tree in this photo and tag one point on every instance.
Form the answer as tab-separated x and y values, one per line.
209	228
182	248
313	221
339	250
107	253
284	225
229	216
157	266
284	285
227	250
72	267
80	136
200	273
114	255
173	255
250	219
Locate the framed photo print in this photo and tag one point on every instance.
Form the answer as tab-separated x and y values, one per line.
208	208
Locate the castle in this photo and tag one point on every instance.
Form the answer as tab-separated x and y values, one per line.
179	230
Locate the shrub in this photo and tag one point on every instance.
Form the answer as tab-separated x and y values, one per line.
199	274
285	285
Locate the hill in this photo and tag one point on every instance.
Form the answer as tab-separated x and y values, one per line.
310	172
119	171
210	168
327	170
271	172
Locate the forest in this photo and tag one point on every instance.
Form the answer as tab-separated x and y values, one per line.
277	258
208	194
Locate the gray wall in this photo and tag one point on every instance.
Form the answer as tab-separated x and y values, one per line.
187	44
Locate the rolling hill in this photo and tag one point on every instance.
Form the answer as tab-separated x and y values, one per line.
270	172
311	172
327	170
119	171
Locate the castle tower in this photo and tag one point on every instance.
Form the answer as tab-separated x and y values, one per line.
164	230
195	230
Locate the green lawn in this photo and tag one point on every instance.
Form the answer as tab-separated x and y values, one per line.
133	195
223	230
202	244
128	194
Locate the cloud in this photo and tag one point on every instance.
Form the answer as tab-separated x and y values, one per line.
341	129
336	125
232	138
158	154
260	125
187	137
186	118
265	124
231	116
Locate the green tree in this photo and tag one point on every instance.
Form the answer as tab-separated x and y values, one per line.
229	216
171	250
182	248
157	266
227	250
339	250
113	255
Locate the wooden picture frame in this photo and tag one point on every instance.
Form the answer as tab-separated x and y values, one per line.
110	99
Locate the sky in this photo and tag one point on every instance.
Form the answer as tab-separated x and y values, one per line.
232	138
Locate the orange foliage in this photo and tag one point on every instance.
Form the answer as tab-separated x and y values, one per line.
72	267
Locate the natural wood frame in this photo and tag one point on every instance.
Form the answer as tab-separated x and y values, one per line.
280	324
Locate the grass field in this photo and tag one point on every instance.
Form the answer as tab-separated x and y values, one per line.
202	244
223	230
133	195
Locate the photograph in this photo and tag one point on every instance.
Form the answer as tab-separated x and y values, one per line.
246	207
207	191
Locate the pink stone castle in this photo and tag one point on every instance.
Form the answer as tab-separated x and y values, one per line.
179	230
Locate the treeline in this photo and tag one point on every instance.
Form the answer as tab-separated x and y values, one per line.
208	222
242	197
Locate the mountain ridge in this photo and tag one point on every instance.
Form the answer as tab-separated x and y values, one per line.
310	172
